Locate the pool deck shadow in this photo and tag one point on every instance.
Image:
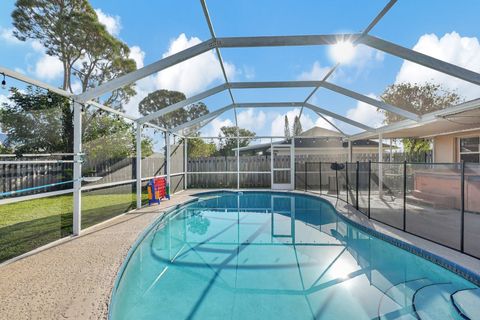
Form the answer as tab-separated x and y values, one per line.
73	277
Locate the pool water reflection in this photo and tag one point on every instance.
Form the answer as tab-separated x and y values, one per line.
263	255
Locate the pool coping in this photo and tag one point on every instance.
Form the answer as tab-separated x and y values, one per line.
447	258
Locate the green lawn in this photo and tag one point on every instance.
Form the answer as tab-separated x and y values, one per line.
27	225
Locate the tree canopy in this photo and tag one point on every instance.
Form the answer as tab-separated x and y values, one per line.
33	125
229	141
160	99
198	148
419	99
70	30
37	121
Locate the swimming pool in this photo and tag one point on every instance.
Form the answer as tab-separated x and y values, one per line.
265	255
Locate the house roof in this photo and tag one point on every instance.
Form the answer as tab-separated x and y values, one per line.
313	138
320	132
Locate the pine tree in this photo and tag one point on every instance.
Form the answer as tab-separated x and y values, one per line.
287	128
297	126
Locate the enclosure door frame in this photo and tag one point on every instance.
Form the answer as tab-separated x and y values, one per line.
288	150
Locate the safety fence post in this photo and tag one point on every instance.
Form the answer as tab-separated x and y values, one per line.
462	190
320	177
346	179
357	184
336	176
404	195
369	185
306	175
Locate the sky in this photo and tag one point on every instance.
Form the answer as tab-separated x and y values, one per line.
155	29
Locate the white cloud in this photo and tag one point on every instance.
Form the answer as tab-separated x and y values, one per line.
213	129
111	23
138	55
3	99
365	55
317	72
48	67
251	119
195	74
453	48
77	87
322	123
362	57
143	87
248	72
6	34
366	114
37	46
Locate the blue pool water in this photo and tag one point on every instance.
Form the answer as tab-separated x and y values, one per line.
263	255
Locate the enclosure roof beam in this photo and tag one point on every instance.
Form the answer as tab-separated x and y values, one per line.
21	77
271	41
283	41
421	59
327	85
217	50
371	101
274	84
183	103
332	124
338	117
146	71
268	104
207	116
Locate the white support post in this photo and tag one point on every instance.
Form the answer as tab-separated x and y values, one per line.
434	144
168	158
391	150
185	164
292	163
271	165
380	166
238	161
77	168
139	165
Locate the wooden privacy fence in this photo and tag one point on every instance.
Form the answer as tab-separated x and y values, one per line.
254	170
17	176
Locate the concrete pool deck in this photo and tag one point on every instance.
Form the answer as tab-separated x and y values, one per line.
73	278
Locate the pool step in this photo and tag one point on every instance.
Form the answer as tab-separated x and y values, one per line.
467	302
396	303
433	302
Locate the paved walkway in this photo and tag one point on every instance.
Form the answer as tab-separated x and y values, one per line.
73	279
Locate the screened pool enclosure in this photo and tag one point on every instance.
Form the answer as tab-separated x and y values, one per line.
101	175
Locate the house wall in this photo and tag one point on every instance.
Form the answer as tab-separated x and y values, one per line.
446	146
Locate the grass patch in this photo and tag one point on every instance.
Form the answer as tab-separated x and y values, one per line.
30	224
